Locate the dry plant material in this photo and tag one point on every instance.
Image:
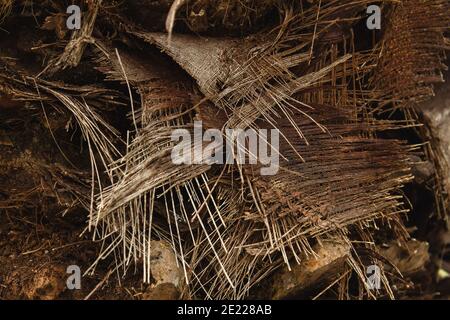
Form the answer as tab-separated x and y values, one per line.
336	175
412	54
225	228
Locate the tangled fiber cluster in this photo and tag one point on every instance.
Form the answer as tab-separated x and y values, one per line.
310	76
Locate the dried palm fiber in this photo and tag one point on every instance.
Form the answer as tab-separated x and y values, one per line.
197	58
343	182
212	245
215	252
146	179
343	88
411	60
81	103
155	107
262	62
291	227
412	53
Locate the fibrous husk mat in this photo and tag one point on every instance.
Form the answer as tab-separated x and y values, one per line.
344	99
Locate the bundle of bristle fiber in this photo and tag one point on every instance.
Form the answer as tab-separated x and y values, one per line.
230	226
412	54
146	172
